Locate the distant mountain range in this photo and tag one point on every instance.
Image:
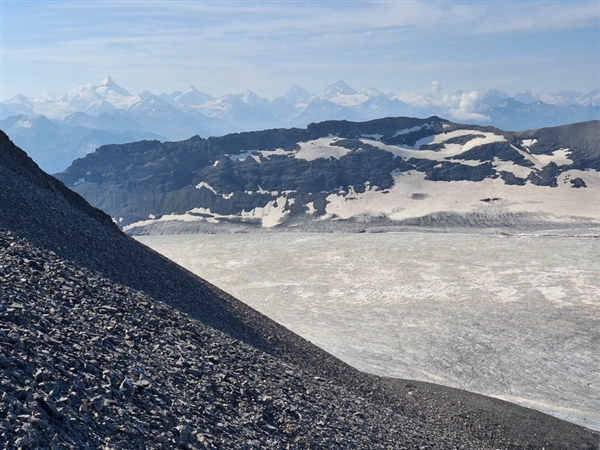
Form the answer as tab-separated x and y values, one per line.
56	129
356	176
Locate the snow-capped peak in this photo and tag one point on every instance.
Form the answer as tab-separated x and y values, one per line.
107	81
247	96
343	95
252	99
191	97
19	99
374	92
297	94
525	97
108	84
591	98
338	88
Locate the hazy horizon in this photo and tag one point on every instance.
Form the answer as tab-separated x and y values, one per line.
228	47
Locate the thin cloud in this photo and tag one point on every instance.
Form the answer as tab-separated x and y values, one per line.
274	19
329	40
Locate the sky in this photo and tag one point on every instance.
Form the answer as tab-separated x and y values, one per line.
226	47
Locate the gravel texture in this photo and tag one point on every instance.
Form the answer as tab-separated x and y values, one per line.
106	344
88	362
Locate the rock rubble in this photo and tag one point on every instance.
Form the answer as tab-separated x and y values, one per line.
90	363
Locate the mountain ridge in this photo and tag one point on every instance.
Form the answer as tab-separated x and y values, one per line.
194	112
348	176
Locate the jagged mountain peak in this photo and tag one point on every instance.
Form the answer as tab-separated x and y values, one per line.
191	89
247	95
191	97
338	88
146	94
250	98
108	84
525	97
496	94
107	81
247	111
151	103
374	92
19	98
297	94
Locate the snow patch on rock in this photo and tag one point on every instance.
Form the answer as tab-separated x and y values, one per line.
509	166
399	201
528	143
376	137
271	214
560	157
242	156
408	131
277	152
320	148
447	151
205	185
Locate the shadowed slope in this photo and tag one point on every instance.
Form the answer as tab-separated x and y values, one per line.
33	205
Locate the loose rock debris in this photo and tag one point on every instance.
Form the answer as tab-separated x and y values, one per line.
88	363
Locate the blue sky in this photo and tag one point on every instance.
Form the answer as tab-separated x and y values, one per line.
222	46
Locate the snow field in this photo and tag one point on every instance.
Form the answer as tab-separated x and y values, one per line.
515	317
465	196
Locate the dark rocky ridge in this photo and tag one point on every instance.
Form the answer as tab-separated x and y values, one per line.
582	137
84	308
133	182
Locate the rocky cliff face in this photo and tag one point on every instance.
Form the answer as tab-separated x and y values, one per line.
106	343
342	174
